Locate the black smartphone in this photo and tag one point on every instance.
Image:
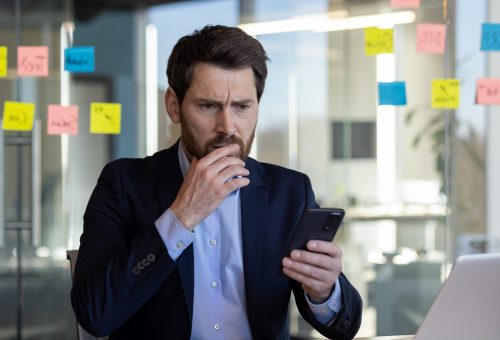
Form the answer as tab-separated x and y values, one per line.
316	224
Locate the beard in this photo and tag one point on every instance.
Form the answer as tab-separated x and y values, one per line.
193	148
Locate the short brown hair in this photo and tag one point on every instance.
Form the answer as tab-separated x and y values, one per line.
222	46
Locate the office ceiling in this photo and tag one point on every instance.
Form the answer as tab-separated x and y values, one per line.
82	9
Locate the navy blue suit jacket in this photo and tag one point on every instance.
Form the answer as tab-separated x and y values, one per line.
126	284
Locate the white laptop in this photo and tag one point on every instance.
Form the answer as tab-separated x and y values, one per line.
468	304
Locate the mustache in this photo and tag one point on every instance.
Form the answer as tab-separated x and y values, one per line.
225	140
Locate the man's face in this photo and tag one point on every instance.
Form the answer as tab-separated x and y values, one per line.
220	107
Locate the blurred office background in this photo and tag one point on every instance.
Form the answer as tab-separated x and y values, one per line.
420	186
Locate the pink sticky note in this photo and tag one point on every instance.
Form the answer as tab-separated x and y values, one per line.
431	38
488	91
405	3
62	119
32	61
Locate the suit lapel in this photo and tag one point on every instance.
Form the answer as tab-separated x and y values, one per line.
254	204
168	185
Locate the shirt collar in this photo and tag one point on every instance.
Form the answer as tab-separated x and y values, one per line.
183	160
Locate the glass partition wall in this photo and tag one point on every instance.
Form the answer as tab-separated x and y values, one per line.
412	179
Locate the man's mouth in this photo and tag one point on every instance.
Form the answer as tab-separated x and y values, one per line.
216	146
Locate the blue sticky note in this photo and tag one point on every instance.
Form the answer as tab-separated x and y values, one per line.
393	93
490	37
79	59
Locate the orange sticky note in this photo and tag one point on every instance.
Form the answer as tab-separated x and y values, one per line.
405	3
3	61
445	93
33	61
488	91
378	41
18	116
62	119
431	38
105	118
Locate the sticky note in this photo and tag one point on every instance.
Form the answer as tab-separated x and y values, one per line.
18	116
393	93
378	41
79	59
431	38
62	120
445	93
405	3
490	37
105	118
488	91
32	61
3	61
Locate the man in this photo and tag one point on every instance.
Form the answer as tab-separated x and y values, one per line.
187	243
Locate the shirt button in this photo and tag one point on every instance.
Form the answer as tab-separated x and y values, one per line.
216	326
214	284
180	245
213	242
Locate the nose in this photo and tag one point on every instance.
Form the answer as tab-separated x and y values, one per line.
225	123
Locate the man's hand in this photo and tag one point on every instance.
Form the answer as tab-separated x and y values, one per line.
206	185
316	269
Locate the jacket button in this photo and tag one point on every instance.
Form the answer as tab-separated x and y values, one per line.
151	257
140	265
136	271
145	262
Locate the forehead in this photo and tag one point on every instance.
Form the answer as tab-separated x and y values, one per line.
216	82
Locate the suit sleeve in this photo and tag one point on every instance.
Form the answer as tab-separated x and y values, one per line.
115	273
348	320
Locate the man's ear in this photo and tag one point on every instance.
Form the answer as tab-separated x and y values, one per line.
172	105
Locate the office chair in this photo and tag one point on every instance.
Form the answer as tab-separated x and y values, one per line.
82	333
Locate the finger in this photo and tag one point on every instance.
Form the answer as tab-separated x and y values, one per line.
233	171
311	285
235	184
325	247
225	162
218	153
320	260
321	273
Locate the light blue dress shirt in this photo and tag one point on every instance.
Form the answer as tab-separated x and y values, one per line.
219	304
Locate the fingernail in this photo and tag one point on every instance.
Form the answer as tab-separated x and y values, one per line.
313	245
295	254
287	262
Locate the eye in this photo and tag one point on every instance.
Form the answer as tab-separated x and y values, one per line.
242	107
207	106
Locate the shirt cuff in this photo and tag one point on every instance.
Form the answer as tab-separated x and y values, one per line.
174	235
326	311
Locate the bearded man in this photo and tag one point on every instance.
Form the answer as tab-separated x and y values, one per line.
186	244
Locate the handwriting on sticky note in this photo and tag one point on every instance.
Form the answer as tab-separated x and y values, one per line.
79	59
62	120
405	3
488	91
32	61
431	38
378	41
445	93
393	93
18	116
105	118
3	61
490	37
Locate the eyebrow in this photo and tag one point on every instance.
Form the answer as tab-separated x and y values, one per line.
220	103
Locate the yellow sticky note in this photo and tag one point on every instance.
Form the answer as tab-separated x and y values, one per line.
18	116
105	118
379	41
3	61
445	93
